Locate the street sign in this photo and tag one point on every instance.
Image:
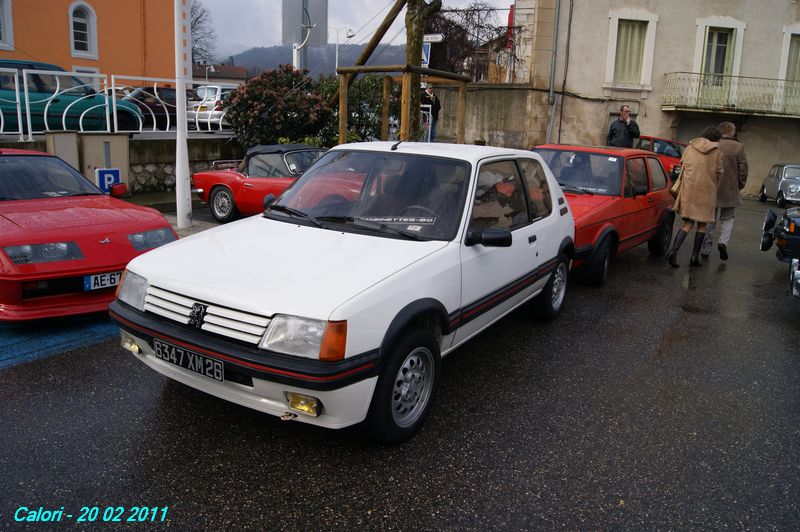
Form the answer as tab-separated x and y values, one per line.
426	54
105	178
433	37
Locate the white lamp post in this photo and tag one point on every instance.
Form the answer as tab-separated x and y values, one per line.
350	34
212	69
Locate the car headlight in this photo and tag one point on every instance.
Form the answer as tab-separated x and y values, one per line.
132	290
305	337
51	252
793	189
151	239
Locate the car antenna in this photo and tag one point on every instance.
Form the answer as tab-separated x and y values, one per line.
396	144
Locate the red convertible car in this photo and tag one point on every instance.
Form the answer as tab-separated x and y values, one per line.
63	243
619	198
266	169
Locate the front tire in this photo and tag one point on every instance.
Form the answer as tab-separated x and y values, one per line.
762	194
780	200
223	208
406	388
596	271
550	301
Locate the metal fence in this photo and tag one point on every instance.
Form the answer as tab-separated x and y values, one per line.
691	90
34	102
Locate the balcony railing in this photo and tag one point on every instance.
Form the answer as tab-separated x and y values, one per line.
733	94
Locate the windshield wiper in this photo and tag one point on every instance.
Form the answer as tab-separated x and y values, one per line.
294	212
73	194
574	188
372	226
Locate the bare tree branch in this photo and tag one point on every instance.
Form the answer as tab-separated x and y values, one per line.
204	37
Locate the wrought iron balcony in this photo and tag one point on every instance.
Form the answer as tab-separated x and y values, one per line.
690	91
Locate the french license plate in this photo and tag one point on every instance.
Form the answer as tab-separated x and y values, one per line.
207	367
101	280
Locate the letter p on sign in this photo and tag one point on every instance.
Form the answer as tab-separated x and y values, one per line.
105	178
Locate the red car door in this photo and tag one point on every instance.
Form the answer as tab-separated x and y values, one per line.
639	205
250	199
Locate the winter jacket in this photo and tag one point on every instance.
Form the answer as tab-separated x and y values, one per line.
734	172
622	134
701	170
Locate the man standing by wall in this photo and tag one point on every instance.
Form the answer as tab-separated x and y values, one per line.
734	178
623	130
429	98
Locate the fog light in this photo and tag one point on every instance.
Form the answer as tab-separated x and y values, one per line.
305	404
129	342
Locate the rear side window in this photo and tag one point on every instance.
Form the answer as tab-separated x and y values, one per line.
657	173
637	177
539	200
499	198
644	144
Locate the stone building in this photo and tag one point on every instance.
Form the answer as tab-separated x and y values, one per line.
680	65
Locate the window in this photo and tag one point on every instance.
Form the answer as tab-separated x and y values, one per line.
718	46
6	26
637	182
631	46
499	198
539	201
630	49
83	30
657	174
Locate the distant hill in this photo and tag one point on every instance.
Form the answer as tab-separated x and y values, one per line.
321	59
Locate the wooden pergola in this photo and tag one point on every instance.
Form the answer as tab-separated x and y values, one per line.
405	100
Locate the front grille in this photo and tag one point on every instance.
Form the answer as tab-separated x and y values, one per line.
224	321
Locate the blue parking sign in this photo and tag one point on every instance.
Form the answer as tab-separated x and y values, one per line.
426	54
105	178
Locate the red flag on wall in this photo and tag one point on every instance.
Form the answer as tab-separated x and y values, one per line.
510	26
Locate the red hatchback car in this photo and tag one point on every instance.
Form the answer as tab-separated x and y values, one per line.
63	243
267	169
619	198
669	151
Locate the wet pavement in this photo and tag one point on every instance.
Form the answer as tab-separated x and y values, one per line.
666	399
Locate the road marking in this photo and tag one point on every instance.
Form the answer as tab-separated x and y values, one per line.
26	341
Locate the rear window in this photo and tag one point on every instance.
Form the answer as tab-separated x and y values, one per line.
598	173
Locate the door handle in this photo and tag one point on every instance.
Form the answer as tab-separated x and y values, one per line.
248	185
650	199
531	239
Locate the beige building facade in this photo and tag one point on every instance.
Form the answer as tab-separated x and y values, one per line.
681	65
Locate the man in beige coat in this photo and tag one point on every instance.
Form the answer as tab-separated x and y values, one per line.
734	178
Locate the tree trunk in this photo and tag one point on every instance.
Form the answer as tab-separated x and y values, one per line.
416	13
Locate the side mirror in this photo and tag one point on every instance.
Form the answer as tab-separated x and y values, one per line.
490	237
268	199
119	190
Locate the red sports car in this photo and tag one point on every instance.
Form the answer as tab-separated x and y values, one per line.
669	151
619	198
266	169
63	243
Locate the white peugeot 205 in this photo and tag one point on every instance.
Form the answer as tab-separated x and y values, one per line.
336	304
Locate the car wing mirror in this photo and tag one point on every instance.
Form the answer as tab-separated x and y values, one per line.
489	237
268	200
119	190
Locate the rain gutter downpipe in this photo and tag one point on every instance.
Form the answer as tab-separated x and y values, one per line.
552	99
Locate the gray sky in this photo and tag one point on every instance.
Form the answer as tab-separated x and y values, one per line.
244	24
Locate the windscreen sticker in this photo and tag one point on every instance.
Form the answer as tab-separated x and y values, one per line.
612	159
415	220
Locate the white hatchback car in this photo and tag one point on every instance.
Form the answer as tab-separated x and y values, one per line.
336	304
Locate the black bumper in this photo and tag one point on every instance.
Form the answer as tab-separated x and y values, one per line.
242	362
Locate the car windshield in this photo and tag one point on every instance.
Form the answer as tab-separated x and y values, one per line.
792	171
34	177
386	194
584	172
299	161
664	147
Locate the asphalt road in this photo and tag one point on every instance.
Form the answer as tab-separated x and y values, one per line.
666	399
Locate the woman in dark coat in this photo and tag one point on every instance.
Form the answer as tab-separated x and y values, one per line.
701	169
